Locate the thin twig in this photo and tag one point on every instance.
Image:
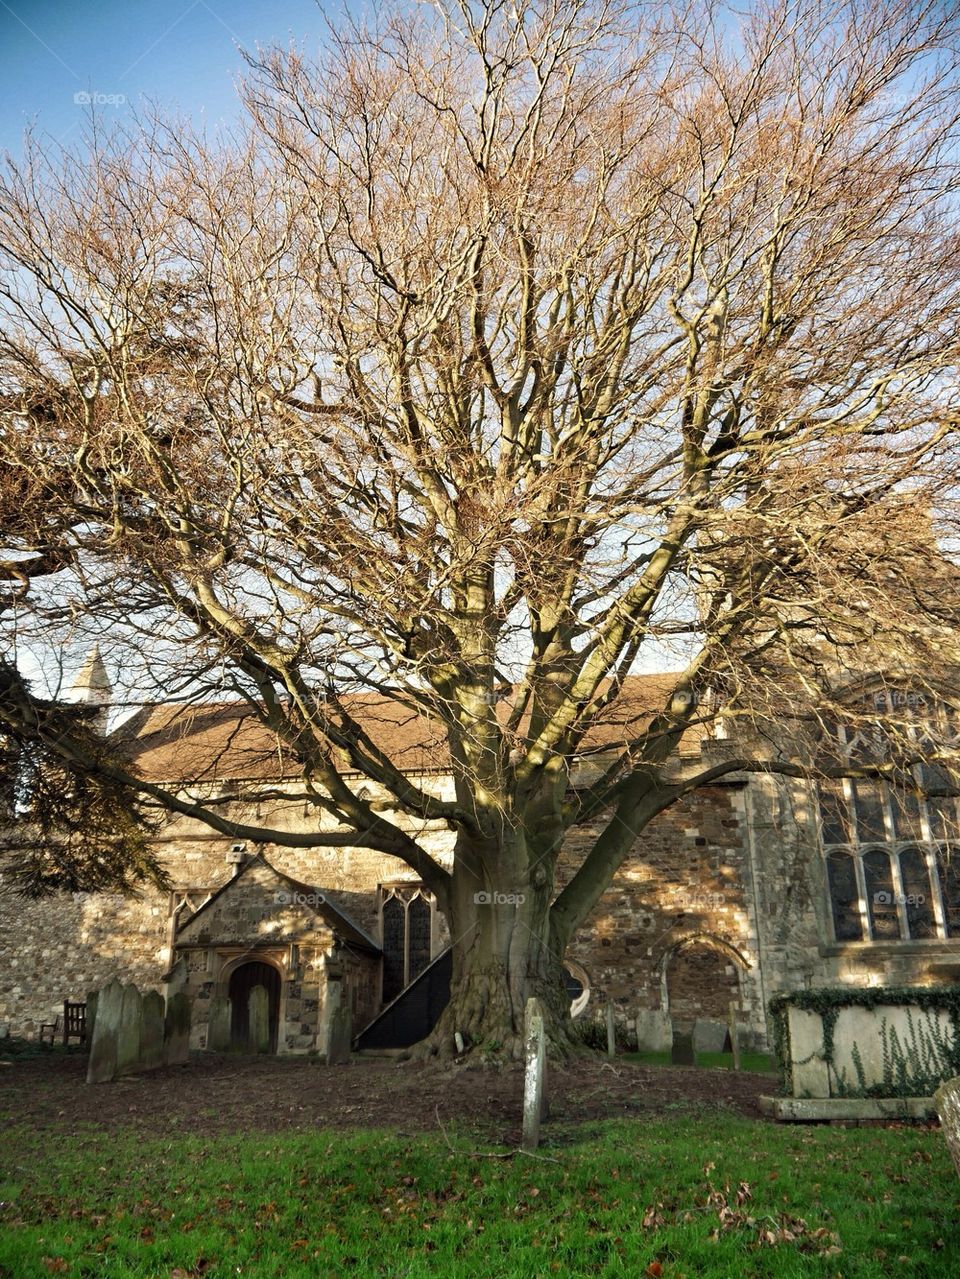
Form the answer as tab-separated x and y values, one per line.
486	1154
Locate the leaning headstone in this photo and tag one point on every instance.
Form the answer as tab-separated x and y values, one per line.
258	1004
947	1101
102	1066
176	1030
90	1017
534	1081
654	1031
151	1031
219	1024
128	1036
681	1050
709	1036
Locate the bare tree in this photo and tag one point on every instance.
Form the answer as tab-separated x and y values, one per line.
507	346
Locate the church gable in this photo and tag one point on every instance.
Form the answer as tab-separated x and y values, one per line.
259	906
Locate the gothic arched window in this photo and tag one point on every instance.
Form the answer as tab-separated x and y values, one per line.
407	931
844	896
889	843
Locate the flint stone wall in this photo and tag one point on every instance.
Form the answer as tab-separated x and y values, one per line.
734	866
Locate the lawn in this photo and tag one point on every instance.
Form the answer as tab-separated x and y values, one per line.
757	1062
694	1192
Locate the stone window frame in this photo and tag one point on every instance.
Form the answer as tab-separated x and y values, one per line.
407	891
860	844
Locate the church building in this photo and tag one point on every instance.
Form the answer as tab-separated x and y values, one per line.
752	886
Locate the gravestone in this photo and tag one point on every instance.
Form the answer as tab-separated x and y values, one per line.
947	1101
340	1036
654	1031
177	980
710	1036
681	1049
734	1028
338	1023
611	1032
534	1080
102	1065
258	1005
219	1024
176	1030
151	1031
91	1015
128	1035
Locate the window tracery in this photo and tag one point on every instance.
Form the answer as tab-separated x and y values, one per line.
889	844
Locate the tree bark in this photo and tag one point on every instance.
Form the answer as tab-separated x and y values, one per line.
503	954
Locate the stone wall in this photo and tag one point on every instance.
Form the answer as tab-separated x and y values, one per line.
688	881
677	921
723	896
258	918
61	947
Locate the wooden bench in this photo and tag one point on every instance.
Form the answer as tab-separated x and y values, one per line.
72	1023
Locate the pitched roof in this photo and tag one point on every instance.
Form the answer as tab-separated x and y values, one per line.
219	742
308	897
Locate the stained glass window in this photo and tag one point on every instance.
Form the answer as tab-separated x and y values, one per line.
833	815
868	807
948	869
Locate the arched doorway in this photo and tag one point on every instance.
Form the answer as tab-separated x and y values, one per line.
700	979
242	981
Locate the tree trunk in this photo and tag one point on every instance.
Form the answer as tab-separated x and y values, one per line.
502	954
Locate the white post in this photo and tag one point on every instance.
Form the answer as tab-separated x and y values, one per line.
535	1054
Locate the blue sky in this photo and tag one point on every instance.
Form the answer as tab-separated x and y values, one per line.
182	53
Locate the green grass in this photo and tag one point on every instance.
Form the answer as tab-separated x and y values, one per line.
691	1194
12	1048
761	1062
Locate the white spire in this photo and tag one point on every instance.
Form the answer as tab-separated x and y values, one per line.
92	687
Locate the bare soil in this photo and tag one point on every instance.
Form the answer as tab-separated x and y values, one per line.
228	1093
